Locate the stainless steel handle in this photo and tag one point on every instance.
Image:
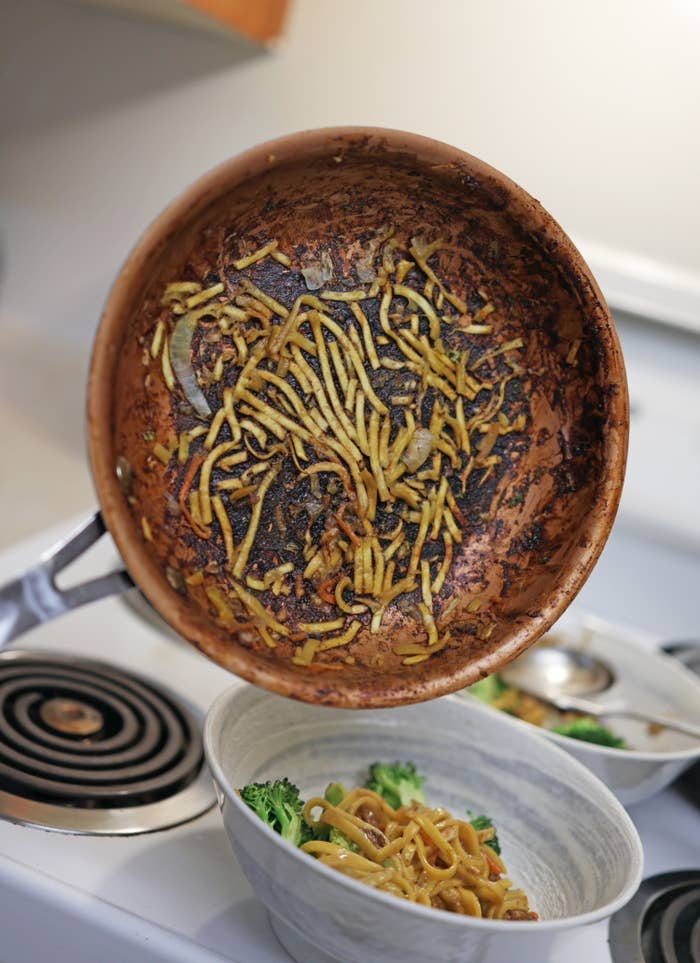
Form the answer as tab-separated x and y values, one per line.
34	597
620	709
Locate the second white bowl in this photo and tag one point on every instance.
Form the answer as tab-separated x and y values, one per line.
645	678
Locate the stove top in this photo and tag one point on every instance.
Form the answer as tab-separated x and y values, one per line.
661	924
178	895
87	748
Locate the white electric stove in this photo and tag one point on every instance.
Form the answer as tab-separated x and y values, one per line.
177	894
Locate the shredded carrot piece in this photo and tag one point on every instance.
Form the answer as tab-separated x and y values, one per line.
192	470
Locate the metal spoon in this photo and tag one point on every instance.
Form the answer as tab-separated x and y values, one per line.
561	676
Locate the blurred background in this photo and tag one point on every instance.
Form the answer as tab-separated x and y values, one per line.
109	109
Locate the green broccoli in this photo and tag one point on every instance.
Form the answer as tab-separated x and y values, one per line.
588	730
484	822
340	839
279	805
398	783
488	689
335	793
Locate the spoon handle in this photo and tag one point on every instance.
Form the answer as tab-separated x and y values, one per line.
595	709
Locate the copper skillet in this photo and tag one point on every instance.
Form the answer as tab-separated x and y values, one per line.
555	502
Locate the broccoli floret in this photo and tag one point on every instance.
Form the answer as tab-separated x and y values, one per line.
484	822
257	796
589	730
398	783
279	805
488	689
340	839
335	793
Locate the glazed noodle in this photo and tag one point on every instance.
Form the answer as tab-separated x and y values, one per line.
420	854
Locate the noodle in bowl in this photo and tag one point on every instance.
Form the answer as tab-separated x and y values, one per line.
422	854
574	872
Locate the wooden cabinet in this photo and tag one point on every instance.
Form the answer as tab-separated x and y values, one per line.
260	21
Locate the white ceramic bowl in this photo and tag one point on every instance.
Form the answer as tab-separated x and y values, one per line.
565	839
644	678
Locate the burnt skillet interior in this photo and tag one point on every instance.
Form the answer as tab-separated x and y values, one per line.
533	529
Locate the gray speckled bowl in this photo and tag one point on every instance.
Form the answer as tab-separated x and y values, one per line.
565	838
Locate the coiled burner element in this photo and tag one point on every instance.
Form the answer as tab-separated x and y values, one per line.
661	923
79	737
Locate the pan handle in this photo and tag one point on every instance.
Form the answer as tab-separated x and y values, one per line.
34	597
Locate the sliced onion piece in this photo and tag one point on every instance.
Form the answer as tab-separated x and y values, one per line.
418	450
180	345
313	275
318	272
364	267
420	245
